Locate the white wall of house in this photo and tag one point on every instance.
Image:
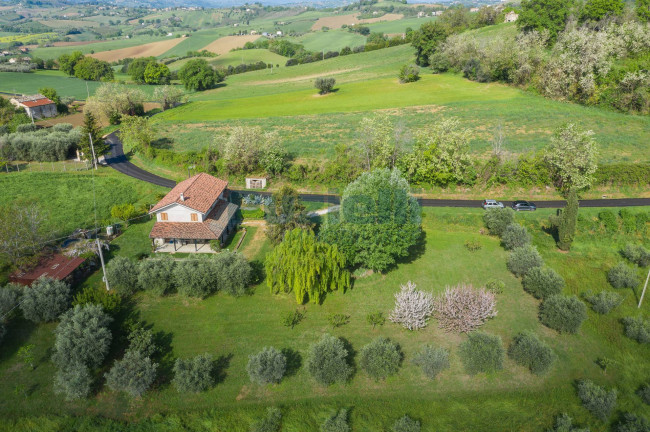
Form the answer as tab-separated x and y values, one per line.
178	213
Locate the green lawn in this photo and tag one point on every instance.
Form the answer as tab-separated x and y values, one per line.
234	58
67	198
332	40
398	26
234	328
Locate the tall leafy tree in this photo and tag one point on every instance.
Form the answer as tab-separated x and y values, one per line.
642	8
136	132
91	69
541	15
567	221
67	62
157	73
198	75
168	96
572	157
137	67
21	231
427	39
92	128
379	142
378	222
306	266
595	10
286	213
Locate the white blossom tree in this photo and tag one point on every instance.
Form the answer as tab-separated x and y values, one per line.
463	308
412	307
572	156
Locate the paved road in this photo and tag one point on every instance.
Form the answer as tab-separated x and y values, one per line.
118	161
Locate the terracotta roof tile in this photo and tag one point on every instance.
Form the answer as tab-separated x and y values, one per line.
199	193
210	229
56	267
39	102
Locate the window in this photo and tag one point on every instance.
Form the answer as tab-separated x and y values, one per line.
163	216
194	217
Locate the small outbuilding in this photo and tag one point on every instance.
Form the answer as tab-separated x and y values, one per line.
59	267
37	106
255	182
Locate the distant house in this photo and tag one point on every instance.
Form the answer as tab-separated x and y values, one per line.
59	267
279	33
253	32
13	60
474	9
24	49
422	14
511	17
195	212
37	106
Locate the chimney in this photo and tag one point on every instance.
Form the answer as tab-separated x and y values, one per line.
182	197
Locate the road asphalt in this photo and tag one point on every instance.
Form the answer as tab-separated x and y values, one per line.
118	161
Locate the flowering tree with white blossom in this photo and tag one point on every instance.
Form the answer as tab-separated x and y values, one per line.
412	307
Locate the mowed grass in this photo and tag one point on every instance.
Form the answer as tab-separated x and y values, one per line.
234	58
332	40
30	83
232	328
67	199
399	26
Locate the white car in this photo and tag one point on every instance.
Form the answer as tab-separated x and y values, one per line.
489	204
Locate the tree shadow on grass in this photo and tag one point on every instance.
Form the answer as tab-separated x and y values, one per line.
352	355
258	272
19	331
415	252
294	361
220	365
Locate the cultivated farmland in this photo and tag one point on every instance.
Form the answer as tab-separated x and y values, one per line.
152	49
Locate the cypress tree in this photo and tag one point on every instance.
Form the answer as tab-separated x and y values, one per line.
567	222
91	127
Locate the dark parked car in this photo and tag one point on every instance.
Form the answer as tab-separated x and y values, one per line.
524	206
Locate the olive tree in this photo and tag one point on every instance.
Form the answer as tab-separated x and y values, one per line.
267	366
195	374
328	361
74	381
134	374
45	300
380	358
122	274
324	85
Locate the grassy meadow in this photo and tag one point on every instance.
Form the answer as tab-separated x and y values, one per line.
232	328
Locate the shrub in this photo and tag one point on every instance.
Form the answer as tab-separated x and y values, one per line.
644	394
564	314
522	259
473	246
596	399
338	422
338	320
528	351
623	276
637	254
328	361
324	85
496	286
376	319
73	381
412	307
497	220
564	423
195	374
463	309
122	273
633	423
543	282
271	423
110	301
609	221
142	341
515	236
637	329
432	361
82	337
409	73
406	424
604	301
293	318
134	374
267	366
155	275
380	358
481	352
45	300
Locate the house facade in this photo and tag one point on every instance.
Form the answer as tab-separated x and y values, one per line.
194	213
37	106
511	17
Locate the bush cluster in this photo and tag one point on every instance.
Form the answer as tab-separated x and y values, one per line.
564	314
406	424
338	422
604	301
432	361
515	236
497	220
527	350
41	145
542	282
267	366
380	358
523	259
196	277
623	276
481	352
195	374
633	423
596	399
637	329
637	254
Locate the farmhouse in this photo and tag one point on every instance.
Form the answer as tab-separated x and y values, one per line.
511	17
37	106
194	213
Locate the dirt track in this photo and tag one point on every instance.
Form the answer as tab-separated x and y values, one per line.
225	44
152	49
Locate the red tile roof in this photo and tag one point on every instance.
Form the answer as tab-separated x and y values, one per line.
38	102
56	267
199	193
210	229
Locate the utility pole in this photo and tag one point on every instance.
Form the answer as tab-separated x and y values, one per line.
644	288
101	258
